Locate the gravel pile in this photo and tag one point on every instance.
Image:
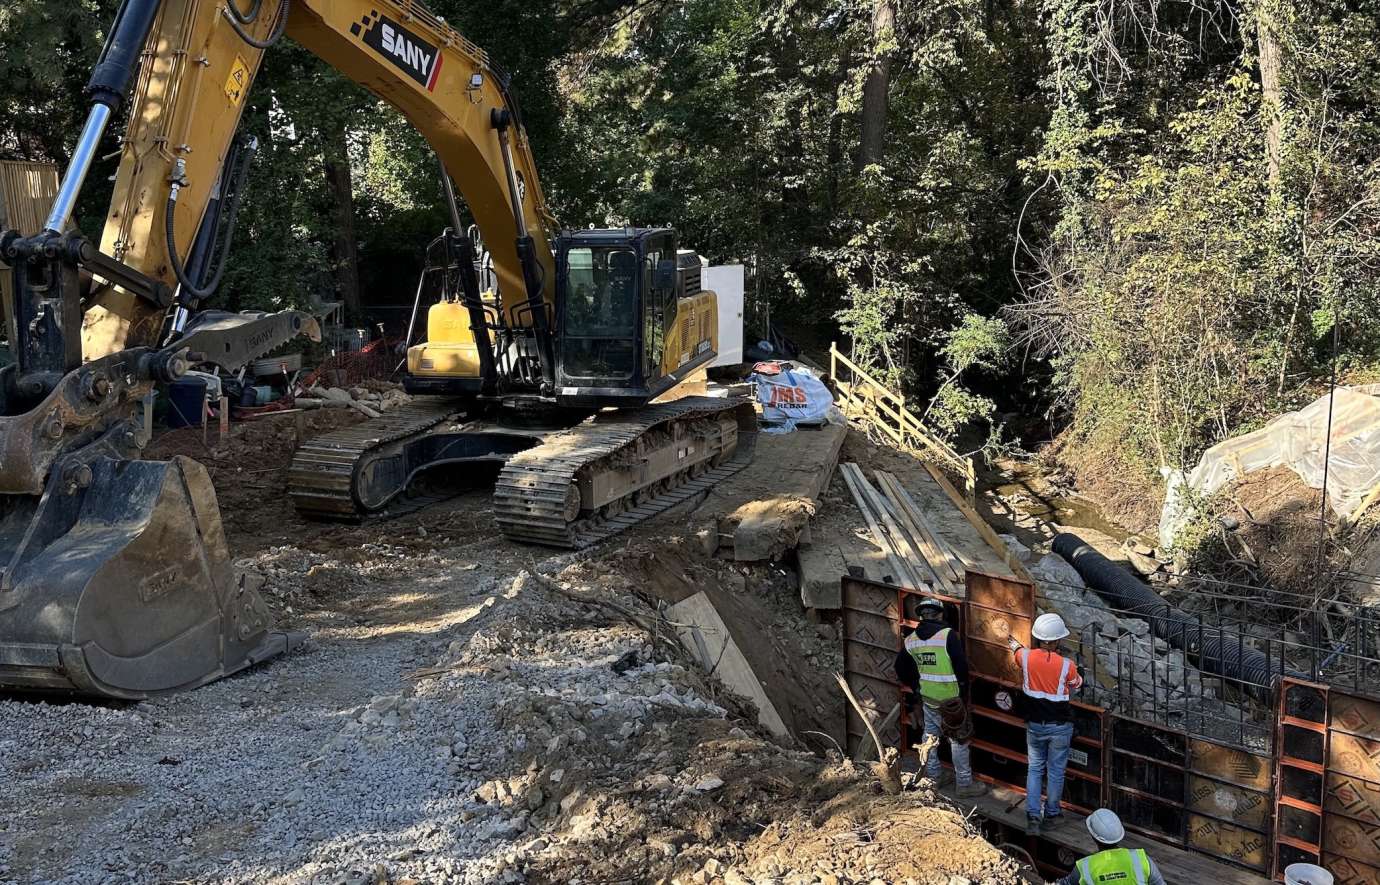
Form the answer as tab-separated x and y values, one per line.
453	749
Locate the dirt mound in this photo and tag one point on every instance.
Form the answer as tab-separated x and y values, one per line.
249	466
792	657
861	836
1277	541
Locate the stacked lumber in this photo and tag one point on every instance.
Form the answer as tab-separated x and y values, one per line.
919	557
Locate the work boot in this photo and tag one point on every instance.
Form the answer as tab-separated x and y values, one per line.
1053	821
971	790
1032	825
945	779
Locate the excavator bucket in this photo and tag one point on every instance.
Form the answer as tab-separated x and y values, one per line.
119	584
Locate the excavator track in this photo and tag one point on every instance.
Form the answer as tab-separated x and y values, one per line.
537	493
323	477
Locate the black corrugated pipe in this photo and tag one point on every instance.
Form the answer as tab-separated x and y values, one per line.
1219	652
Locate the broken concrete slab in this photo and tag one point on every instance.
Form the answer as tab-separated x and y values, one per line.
765	508
707	638
835	552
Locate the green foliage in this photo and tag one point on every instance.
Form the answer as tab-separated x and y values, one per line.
1190	289
1177	237
976	343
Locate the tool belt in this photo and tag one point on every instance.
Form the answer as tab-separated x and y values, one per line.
954	721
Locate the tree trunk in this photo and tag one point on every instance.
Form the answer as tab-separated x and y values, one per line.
341	187
877	84
1271	63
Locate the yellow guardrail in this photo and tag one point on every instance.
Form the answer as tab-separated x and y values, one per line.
872	405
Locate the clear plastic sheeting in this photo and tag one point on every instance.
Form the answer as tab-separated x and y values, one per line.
1297	440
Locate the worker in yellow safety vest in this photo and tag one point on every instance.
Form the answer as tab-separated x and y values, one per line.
933	664
1113	865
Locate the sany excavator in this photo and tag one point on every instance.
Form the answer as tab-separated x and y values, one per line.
115	577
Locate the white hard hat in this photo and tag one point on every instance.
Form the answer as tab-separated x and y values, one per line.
1049	627
1106	827
931	602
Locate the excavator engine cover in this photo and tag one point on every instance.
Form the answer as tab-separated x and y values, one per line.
120	585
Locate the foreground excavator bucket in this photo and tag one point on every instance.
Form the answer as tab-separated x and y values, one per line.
118	584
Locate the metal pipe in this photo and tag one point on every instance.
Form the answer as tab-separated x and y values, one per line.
416	304
82	158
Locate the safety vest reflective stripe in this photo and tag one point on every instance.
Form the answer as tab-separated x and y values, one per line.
936	669
1115	865
1061	691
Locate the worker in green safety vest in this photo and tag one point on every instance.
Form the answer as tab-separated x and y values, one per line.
1113	865
933	664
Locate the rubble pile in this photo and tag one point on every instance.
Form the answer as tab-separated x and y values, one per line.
371	400
1124	666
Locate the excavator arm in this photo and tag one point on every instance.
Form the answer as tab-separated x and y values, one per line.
196	71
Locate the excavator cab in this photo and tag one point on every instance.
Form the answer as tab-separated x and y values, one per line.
607	320
628	322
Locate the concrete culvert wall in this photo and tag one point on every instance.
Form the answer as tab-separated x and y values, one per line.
1219	652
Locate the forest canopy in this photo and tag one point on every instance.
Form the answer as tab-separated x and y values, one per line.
1153	223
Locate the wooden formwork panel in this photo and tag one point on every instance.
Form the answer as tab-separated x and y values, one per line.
1238	844
877	698
1353	797
1233	764
878	662
1346	871
871	636
1356	756
1354	715
1351	839
1002	594
1228	802
997	609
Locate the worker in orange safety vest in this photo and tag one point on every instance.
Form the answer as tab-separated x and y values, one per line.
1048	680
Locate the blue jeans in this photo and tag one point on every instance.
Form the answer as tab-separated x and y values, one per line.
1047	745
963	768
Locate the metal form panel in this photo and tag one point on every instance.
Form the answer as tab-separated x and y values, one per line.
1147	778
1328	803
998	608
1300	749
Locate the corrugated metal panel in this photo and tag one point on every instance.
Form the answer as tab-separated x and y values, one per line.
26	193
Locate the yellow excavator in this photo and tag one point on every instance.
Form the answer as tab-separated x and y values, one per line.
115	576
